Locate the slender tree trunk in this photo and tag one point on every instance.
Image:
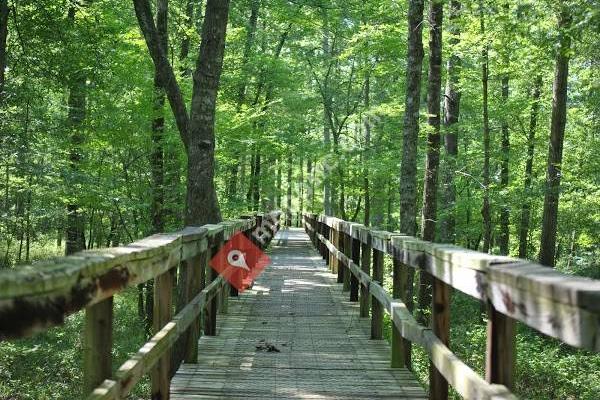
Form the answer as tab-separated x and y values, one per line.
367	152
526	208
158	127
451	116
288	211
76	116
301	182
241	92
504	238
278	191
408	169
309	184
432	161
4	11
485	209
327	195
557	135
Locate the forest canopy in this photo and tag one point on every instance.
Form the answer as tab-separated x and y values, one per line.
469	122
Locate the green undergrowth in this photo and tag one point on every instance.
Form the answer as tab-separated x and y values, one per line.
49	365
546	368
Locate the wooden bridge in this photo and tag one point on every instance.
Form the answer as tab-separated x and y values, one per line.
311	326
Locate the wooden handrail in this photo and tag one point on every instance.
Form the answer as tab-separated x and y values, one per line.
34	298
559	305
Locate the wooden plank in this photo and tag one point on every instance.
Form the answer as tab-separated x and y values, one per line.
197	273
365	266
163	310
97	344
440	320
500	349
400	346
297	307
347	240
354	284
34	298
376	306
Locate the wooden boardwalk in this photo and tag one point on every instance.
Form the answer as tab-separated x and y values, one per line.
293	335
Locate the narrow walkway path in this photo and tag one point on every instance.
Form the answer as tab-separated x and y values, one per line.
294	335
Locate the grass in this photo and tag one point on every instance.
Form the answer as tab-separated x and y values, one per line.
49	365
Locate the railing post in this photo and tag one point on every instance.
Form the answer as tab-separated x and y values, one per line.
440	321
325	234
97	347
365	266
347	240
500	352
376	307
210	317
196	275
356	260
333	261
400	346
163	310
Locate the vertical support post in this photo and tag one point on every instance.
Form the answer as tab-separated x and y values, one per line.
440	321
356	260
376	307
163	310
339	244
347	240
97	347
400	346
333	261
500	352
365	266
196	276
210	313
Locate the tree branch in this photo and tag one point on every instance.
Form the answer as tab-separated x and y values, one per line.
164	69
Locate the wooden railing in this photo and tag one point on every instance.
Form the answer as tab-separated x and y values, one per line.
32	299
561	306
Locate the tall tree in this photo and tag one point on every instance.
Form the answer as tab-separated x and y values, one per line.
503	240
76	105
158	125
197	128
432	160
485	208
557	135
408	167
4	10
526	206
451	116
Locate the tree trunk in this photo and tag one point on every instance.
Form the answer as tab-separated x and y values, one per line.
327	195
557	134
432	161
526	208
197	129
4	11
241	95
288	211
408	168
76	104
202	203
278	191
485	209
367	153
451	116
158	127
503	240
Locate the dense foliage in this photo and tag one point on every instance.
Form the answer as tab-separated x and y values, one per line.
310	116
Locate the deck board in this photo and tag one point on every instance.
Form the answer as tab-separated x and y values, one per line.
324	347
